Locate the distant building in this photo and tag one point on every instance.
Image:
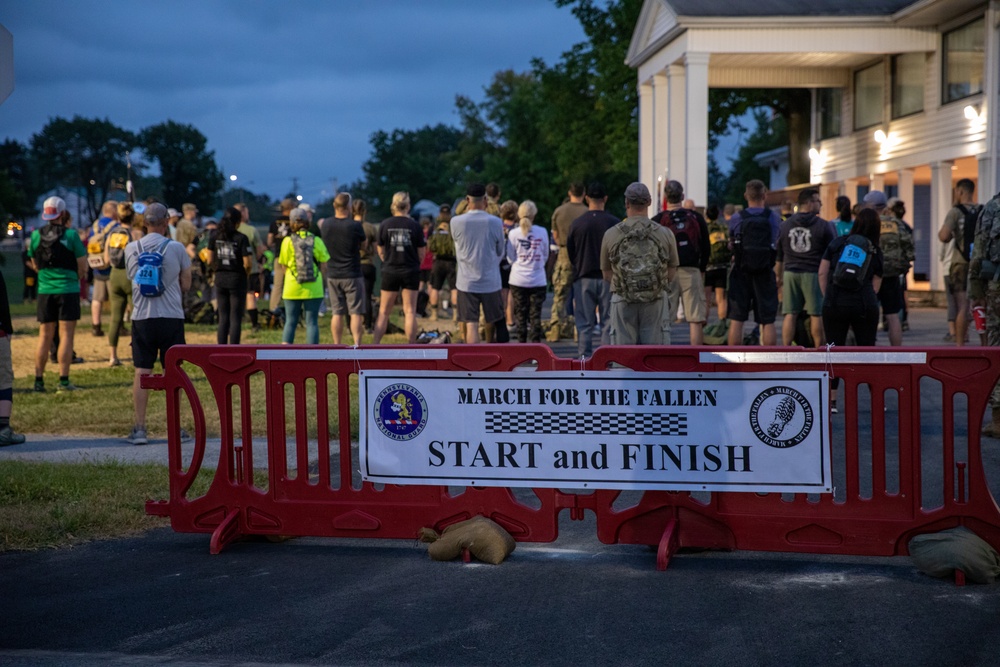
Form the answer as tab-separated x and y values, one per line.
904	94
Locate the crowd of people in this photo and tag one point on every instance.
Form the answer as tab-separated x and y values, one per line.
621	282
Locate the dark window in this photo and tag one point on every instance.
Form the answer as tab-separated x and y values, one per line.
964	59
869	96
829	106
908	71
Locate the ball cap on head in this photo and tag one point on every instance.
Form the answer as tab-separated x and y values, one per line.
477	190
156	214
637	193
596	190
53	208
875	198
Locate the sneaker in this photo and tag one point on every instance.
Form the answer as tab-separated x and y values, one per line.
76	359
137	436
185	436
98	331
8	437
114	362
62	388
39	386
949	338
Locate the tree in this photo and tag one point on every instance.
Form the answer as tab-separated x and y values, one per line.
187	169
770	133
18	190
84	153
260	206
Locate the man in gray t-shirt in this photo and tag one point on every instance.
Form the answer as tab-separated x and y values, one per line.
479	245
157	321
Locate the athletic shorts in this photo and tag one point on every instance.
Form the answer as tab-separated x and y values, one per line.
396	282
443	271
716	278
958	276
800	292
755	293
153	337
469	303
100	289
890	295
253	283
347	295
425	275
58	307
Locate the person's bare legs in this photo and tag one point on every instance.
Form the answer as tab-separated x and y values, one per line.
67	331
817	331
721	304
961	318
697	333
735	333
471	332
768	334
95	312
140	397
788	329
387	300
337	329
895	330
357	328
46	332
410	314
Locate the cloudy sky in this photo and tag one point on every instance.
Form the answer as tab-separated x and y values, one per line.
281	89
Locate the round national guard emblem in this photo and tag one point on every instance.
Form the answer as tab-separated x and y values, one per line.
401	411
781	417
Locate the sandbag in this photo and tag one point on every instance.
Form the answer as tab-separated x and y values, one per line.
940	554
485	539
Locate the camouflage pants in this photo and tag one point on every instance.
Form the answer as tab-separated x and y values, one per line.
562	288
993	328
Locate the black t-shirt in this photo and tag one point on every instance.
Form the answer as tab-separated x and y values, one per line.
584	243
229	254
843	298
400	237
279	229
343	238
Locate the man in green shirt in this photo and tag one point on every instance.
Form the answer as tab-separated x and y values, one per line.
60	259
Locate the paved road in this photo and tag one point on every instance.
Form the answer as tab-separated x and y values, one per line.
161	599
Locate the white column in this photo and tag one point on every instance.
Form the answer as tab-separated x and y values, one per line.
696	115
829	193
851	190
941	195
675	161
661	146
989	163
877	182
905	187
646	134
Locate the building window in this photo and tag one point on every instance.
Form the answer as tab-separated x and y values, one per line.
829	104
869	100
908	71
964	60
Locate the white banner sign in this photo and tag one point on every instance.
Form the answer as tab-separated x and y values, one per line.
760	432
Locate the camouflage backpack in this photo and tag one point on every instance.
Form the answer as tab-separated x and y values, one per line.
639	262
718	238
441	244
988	228
896	242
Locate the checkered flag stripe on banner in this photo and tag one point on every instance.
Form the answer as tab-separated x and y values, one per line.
587	423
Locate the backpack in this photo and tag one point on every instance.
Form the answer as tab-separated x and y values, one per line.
442	245
718	238
895	240
853	263
149	275
118	238
639	263
51	253
963	240
95	246
752	246
305	259
687	231
988	229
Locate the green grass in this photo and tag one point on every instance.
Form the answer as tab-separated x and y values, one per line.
46	505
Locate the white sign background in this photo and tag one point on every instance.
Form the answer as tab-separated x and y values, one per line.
754	432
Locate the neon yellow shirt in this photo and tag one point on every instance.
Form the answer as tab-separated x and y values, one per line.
286	256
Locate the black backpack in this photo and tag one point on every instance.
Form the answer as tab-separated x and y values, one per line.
51	253
963	241
853	262
752	246
687	232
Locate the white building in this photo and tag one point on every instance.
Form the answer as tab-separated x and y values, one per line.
904	94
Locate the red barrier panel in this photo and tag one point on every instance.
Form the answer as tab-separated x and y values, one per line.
894	479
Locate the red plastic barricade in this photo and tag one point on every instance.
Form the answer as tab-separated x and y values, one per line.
894	476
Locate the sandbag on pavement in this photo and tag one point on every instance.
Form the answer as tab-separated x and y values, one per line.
940	554
484	538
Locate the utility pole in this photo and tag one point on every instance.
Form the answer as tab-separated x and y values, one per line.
295	185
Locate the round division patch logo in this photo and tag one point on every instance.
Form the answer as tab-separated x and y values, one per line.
781	417
401	412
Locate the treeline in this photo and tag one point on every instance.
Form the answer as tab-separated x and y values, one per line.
534	133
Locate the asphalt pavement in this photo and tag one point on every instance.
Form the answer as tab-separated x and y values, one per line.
162	599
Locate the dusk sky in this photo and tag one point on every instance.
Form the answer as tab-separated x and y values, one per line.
280	89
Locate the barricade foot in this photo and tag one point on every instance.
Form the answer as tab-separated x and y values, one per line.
668	546
226	532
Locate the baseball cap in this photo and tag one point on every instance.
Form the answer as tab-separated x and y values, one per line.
476	190
637	193
596	190
173	213
53	208
875	198
189	207
154	213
